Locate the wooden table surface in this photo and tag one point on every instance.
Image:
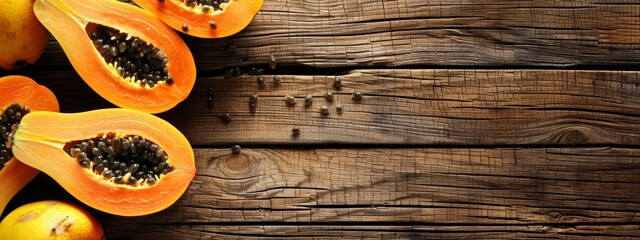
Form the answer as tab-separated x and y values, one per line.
485	119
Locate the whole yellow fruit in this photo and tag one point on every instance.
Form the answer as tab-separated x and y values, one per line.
50	220
22	37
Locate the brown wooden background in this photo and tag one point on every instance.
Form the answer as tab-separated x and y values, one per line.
481	119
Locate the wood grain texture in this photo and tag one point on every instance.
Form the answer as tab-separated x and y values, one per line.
408	193
423	33
456	152
417	107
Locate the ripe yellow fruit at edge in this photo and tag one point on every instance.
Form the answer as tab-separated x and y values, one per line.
50	220
22	36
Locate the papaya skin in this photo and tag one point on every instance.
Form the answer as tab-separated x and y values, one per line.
26	92
234	17
41	137
22	37
50	220
69	21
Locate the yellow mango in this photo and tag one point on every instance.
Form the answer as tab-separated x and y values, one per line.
22	37
50	220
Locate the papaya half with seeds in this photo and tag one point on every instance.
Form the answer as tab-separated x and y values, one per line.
204	18
20	95
124	53
120	161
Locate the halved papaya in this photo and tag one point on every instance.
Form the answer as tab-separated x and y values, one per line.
119	161
125	54
204	18
20	95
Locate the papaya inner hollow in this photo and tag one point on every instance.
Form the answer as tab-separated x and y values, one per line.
9	120
135	60
203	5
127	159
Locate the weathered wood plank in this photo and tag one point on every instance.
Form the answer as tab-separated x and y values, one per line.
424	33
459	107
415	232
405	193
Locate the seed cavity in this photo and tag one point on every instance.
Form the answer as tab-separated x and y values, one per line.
134	59
205	5
9	119
130	160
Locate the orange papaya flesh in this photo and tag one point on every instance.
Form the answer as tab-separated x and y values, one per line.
204	18
125	54
50	141
20	95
